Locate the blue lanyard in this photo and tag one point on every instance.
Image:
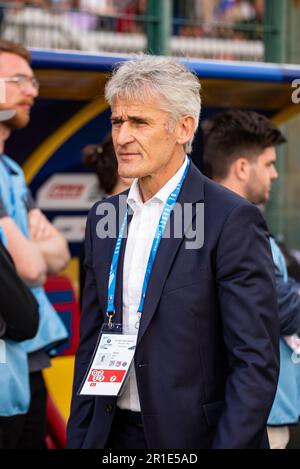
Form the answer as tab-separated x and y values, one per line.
154	248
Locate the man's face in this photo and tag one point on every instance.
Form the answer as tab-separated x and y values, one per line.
261	175
143	142
18	96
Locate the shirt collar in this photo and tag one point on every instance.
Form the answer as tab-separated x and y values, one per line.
8	168
134	197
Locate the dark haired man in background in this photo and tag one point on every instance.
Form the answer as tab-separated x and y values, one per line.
240	154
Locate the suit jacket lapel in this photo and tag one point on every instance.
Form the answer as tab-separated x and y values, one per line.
107	252
192	191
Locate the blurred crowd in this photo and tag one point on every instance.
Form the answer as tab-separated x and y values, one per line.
193	18
219	18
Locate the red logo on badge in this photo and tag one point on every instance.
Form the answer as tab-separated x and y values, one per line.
106	376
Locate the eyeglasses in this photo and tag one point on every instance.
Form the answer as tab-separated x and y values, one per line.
22	81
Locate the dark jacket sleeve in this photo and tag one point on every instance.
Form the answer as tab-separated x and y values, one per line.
19	309
288	304
90	324
248	303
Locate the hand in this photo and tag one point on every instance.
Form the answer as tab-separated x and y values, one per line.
39	227
293	342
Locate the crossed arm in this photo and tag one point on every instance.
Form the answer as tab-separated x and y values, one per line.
44	252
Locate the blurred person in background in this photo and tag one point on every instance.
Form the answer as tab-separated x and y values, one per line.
36	247
240	153
80	18
19	309
19	321
101	8
102	159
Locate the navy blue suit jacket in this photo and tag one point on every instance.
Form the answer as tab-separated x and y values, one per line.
206	360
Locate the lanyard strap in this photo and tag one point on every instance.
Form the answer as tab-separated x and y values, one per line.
113	271
154	248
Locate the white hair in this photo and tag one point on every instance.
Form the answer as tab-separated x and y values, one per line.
151	76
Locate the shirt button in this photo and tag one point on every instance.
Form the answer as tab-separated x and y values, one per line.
109	408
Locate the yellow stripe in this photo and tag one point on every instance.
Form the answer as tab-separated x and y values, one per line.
59	380
44	152
285	114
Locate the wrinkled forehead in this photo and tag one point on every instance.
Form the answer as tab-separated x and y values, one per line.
136	90
144	95
137	105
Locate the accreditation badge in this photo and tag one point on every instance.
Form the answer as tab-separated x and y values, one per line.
109	367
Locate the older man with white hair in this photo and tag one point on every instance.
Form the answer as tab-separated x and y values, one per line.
195	318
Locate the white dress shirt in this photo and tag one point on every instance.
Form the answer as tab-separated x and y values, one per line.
141	232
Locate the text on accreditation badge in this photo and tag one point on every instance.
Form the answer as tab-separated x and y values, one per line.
110	365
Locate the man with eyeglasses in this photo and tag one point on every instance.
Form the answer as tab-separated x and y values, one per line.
23	81
36	247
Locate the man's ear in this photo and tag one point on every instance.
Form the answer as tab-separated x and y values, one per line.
241	168
185	129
